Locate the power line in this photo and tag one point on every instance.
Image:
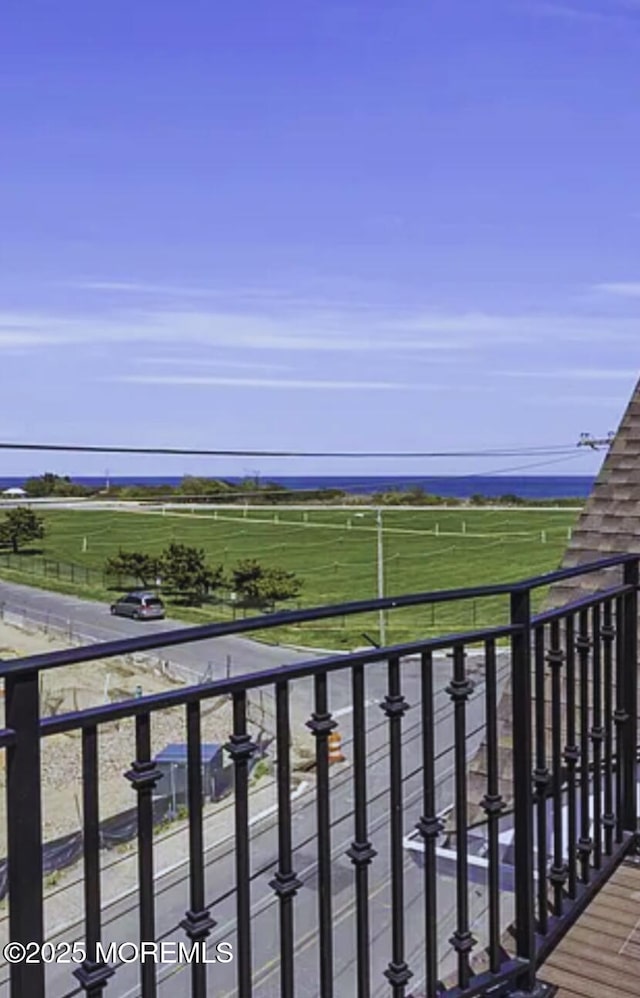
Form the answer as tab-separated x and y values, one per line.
205	452
520	467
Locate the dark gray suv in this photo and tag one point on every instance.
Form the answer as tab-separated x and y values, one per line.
140	606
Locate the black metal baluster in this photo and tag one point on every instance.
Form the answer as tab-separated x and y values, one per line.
597	736
571	756
521	729
630	675
285	883
493	805
92	974
197	922
558	871
361	851
620	714
144	775
430	827
24	829
395	706
459	690
607	633
585	845
541	778
241	748
322	724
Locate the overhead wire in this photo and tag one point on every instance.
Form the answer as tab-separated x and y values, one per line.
513	451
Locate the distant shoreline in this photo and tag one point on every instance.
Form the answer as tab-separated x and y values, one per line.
533	487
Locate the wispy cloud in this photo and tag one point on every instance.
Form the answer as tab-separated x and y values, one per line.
20	341
278	383
232	295
616	402
236	365
621	289
604	11
535	327
338	332
566	12
572	374
140	288
335	333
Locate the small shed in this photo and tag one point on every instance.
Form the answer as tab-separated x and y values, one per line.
217	773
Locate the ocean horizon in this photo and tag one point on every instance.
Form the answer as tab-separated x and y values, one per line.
448	486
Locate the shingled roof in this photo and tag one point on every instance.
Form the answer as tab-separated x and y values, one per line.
609	524
610	521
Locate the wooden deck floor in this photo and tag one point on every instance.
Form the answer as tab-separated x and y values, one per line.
600	956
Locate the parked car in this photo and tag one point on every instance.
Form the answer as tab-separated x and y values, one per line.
140	606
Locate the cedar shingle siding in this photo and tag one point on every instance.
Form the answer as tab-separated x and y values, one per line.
610	521
609	524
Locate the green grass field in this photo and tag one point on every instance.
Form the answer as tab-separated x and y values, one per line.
334	552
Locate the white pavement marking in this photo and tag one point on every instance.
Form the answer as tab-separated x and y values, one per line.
349	709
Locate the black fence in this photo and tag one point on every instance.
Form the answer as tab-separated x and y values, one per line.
552	712
472	611
41	566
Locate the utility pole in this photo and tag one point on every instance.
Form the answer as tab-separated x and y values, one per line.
252	476
586	440
380	574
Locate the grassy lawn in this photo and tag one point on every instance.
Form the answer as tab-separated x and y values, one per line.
334	552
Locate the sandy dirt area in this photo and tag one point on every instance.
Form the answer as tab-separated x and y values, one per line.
78	687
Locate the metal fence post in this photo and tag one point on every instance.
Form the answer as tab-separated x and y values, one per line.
522	782
24	829
630	698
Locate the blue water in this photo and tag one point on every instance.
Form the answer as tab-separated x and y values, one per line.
452	486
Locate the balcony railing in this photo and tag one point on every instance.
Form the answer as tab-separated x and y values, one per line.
488	898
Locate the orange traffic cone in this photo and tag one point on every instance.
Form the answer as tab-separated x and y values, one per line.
335	748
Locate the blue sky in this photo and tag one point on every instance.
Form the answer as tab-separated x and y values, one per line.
318	226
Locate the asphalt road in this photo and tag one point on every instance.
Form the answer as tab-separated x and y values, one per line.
94	622
121	920
201	661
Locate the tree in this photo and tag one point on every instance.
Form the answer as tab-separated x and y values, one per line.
416	495
257	584
509	499
54	485
136	564
246	578
20	526
278	584
203	488
185	569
